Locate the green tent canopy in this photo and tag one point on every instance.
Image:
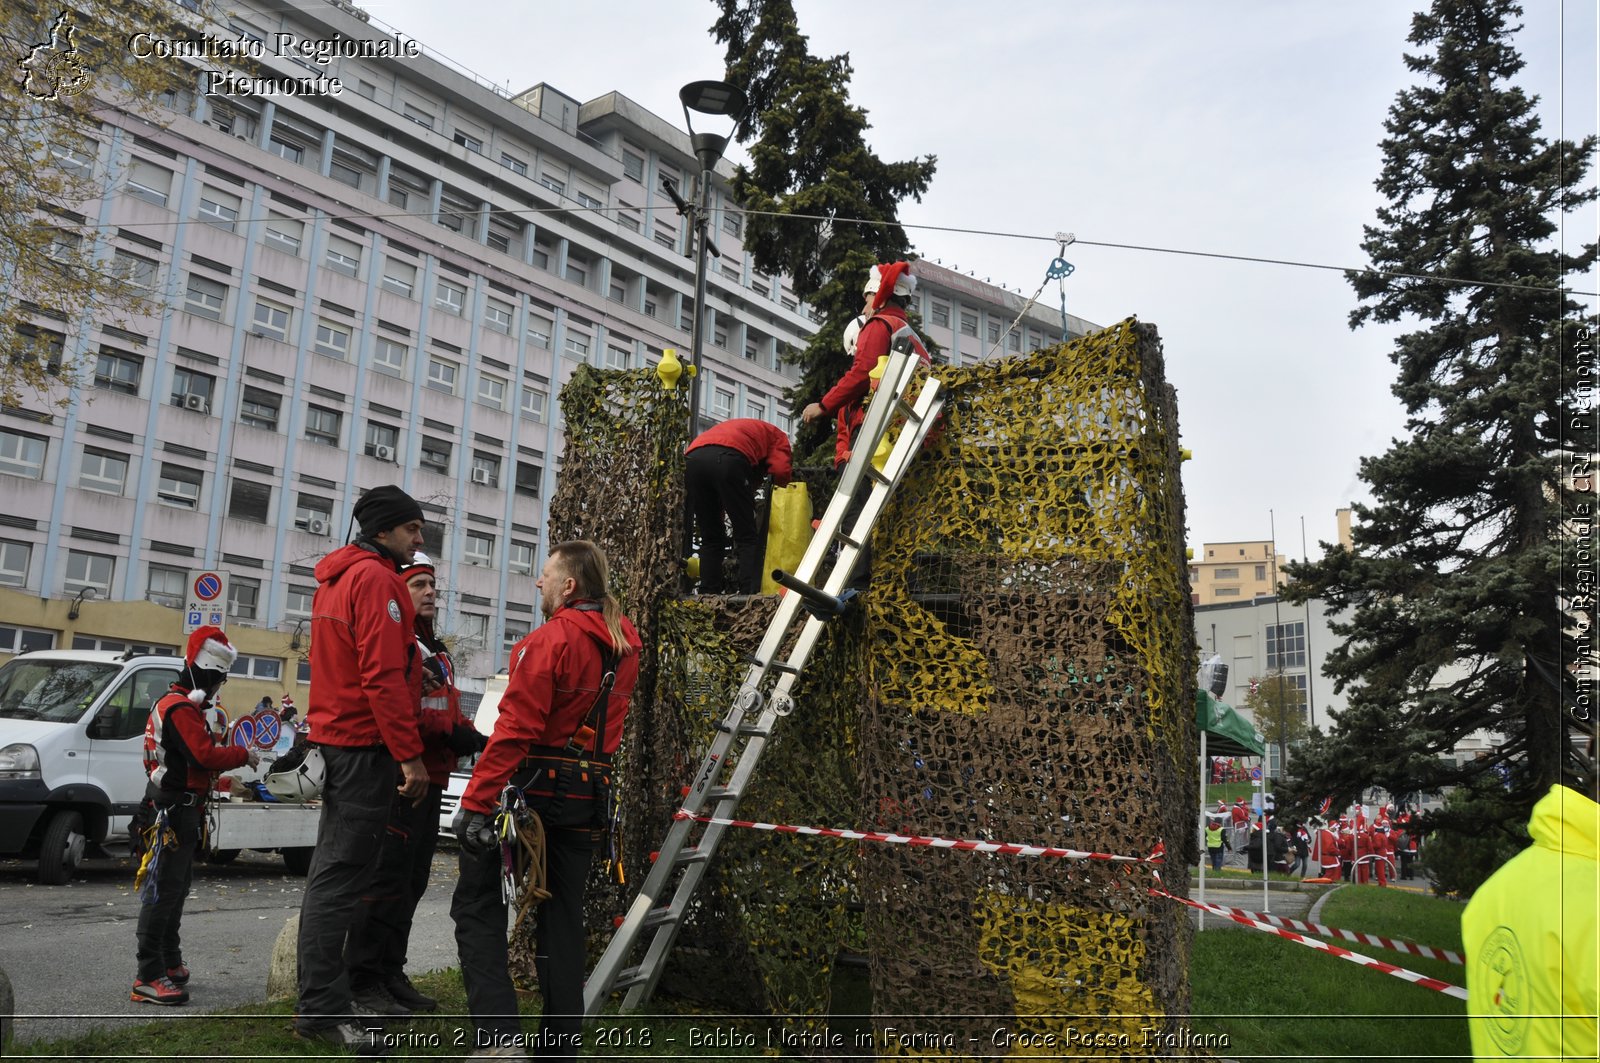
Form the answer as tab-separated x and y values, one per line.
1229	734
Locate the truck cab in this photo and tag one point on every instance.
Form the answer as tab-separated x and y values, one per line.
72	751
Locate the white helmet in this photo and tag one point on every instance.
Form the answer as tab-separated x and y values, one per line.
897	274
852	332
297	775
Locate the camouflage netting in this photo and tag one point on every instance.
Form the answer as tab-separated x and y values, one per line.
1020	674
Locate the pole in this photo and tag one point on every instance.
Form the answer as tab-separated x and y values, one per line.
1266	860
1277	620
1205	854
1311	706
702	214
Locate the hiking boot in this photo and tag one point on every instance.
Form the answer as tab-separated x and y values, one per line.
375	999
345	1035
178	975
407	995
158	991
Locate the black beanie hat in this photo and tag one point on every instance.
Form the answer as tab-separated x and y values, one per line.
384	508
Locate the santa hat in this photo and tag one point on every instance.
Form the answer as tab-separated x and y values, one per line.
208	651
889	278
287	701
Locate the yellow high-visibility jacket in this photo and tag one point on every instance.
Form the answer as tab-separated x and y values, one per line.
1531	936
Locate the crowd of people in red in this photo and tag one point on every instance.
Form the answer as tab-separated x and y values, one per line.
1349	847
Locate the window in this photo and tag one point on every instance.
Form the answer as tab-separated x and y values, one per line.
101	470
619	291
515	632
616	357
497	315
732	223
468	141
474	629
297	602
179	486
243	596
268	669
436	454
149	182
116	371
539	330
719	336
751	351
1286	646
259	408
15	560
1261	573
166	585
390	356
138	271
89	570
479	549
586	200
271	319
757	408
498	239
940	314
218	208
629	221
399	277
205	297
416	114
520	562
1013	342
283	234
721	404
442	375
313	513
250	501
332	340
324	425
485	469
534	401
514	164
192	390
969	323
18	639
994	332
450	297
1225	573
492	391
529	477
45	345
383	441
578	270
633	165
65	246
74	154
21	453
283	149
344	256
577	344
558	187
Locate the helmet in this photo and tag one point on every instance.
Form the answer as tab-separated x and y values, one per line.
297	775
897	275
420	562
852	332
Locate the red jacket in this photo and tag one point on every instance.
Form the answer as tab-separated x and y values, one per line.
765	445
555	675
179	752
440	715
366	679
844	399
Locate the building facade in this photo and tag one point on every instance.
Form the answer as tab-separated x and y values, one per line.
1233	572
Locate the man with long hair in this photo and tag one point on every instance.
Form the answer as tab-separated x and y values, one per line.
556	715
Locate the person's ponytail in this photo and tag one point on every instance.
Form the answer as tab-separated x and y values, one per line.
585	562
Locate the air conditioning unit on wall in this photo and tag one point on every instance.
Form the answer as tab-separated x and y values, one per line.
192	401
317	527
480	476
383	453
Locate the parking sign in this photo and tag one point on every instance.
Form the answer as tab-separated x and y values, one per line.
207	599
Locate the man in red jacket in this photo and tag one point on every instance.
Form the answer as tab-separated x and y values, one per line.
553	693
375	951
366	684
721	470
181	756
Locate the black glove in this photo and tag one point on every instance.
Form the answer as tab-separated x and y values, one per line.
466	741
475	832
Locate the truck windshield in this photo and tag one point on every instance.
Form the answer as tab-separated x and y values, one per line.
57	691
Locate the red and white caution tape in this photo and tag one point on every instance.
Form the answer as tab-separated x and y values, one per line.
1006	848
1344	954
1393	944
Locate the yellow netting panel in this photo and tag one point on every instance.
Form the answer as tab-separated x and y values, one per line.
1020	673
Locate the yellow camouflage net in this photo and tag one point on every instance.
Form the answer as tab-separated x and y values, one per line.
1020	674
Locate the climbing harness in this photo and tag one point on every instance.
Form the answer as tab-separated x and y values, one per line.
159	837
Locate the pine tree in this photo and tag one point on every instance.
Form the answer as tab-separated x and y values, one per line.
810	160
1450	601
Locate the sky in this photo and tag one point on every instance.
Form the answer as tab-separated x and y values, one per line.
1230	128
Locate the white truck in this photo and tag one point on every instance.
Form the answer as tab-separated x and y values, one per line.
72	764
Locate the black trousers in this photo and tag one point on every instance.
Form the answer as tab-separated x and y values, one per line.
560	958
721	481
160	946
356	797
375	951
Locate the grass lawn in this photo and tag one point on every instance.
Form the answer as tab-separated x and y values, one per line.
1276	998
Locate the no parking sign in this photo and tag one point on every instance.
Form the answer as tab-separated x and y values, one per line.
207	599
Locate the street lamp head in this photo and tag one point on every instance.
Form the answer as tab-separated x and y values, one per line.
717	99
83	595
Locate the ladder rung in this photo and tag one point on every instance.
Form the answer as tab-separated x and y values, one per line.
628	978
877	476
754	730
694	855
722	793
658	917
908	411
843	538
782	666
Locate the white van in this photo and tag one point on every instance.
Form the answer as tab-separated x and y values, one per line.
72	763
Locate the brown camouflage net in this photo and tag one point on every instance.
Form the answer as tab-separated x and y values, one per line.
1021	673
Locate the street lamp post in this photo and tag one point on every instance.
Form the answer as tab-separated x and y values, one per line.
720	99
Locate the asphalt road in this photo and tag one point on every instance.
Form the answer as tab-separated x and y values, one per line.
69	950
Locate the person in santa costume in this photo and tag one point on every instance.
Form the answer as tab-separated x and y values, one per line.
181	755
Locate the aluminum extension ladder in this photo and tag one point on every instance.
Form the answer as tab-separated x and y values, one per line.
731	760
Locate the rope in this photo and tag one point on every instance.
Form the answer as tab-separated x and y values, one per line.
158	838
523	875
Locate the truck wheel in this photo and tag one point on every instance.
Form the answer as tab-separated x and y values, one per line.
298	859
222	856
61	851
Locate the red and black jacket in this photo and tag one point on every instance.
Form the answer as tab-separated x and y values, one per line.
179	751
